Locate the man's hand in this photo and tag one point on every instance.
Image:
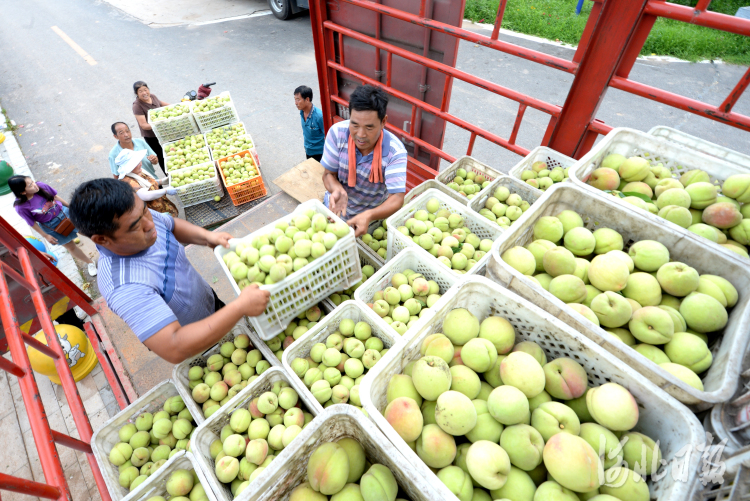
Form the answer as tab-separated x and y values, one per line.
338	201
215	238
360	224
153	159
253	300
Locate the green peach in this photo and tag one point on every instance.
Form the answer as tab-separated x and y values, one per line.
436	447
328	468
559	261
703	313
676	214
518	487
684	374
625	484
640	452
604	442
488	464
548	228
524	445
613	407
487	428
402	385
520	259
572	462
524	372
643	288
612	309
608	272
568	288
652	325
508	405
551	418
653	353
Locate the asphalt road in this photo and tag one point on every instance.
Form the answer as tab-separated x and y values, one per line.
67	105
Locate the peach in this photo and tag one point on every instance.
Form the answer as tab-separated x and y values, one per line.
634	169
684	374
677	215
568	288
488	464
585	311
524	372
604	178
520	259
356	455
694	176
703	313
706	231
466	381
673	196
328	468
539	400
508	405
653	353
689	350
625	484
559	261
570	219
638	187
622	335
378	484
402	385
648	255
641	453
487	428
538	248
679	322
551	418
532	349
455	413
611	309
479	354
435	447
572	462
719	288
552	491
524	445
460	325
702	194
548	228
722	215
565	378
580	241
500	332
737	187
457	481
604	442
518	487
666	184
643	288
608	272
406	418
741	234
437	345
612	406
677	279
304	492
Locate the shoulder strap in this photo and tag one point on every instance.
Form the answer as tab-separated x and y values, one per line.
386	148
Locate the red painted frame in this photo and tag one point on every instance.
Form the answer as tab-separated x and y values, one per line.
618	27
34	265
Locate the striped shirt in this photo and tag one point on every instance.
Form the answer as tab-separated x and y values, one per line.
155	287
365	195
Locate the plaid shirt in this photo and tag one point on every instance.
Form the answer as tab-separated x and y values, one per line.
365	195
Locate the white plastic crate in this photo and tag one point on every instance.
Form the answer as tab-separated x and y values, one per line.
470	164
209	120
366	256
107	436
478	225
354	310
200	191
661	416
434	184
599	210
540	154
338	268
170	167
415	259
216	156
528	193
372	255
337	422
210	430
172	129
696	143
180	371
156	485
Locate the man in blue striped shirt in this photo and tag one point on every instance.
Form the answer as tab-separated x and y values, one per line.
357	191
146	277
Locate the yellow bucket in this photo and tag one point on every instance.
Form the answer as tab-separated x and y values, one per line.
78	352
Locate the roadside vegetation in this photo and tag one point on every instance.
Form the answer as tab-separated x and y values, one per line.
557	20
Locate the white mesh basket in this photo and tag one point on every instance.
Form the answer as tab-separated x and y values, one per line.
353	310
337	422
337	268
210	430
172	129
661	416
209	120
528	193
598	210
366	256
434	184
156	485
540	154
478	225
180	371
107	436
200	191
246	135
657	150
413	258
470	164
364	248
712	149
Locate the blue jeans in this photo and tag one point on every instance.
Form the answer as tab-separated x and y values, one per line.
49	228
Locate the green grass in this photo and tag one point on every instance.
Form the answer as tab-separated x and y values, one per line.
556	20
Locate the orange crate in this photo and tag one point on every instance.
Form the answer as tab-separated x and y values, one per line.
246	191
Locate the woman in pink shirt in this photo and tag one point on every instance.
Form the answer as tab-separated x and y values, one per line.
43	209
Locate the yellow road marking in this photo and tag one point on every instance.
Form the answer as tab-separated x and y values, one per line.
74	46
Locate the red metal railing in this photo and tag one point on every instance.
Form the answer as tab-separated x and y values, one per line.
45	438
618	27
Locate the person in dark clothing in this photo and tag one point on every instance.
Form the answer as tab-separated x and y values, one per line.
145	101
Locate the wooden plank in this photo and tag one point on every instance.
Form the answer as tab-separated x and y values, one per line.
303	182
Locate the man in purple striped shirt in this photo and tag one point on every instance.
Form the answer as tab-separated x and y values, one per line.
361	196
